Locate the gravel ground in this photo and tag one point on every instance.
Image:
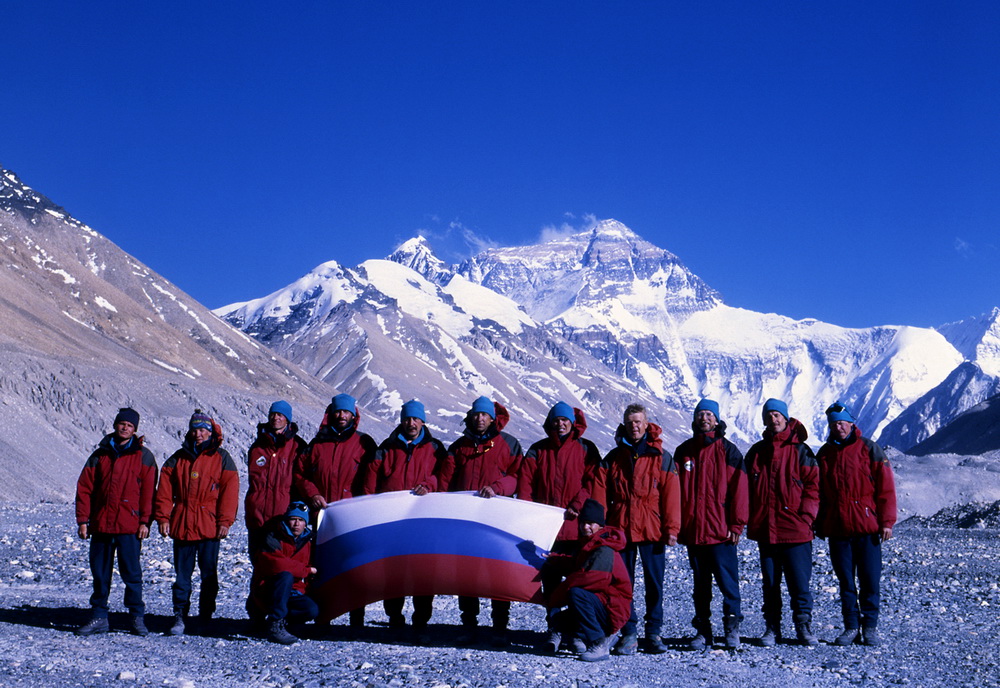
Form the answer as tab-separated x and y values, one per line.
941	596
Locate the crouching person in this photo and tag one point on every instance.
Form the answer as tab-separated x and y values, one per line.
280	574
598	590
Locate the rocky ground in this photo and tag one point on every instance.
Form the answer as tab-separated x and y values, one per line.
941	597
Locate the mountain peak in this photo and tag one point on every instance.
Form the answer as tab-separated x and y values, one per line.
416	254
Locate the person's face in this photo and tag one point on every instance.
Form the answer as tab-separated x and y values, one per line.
705	421
775	422
841	429
278	422
589	530
562	425
202	435
481	422
411	428
297	526
635	426
342	419
124	430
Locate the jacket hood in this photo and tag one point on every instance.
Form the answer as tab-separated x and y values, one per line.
853	437
500	420
575	433
105	443
608	536
650	444
794	433
716	433
214	442
326	429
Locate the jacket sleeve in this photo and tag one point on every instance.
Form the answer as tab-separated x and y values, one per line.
526	477
591	464
147	487
445	470
163	505
371	471
305	464
670	499
885	487
229	491
506	485
738	490
809	474
358	483
273	560
599	484
594	575
84	491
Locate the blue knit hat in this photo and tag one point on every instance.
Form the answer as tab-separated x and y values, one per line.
708	405
839	411
775	405
484	405
282	407
412	409
200	420
128	415
297	510
560	410
344	402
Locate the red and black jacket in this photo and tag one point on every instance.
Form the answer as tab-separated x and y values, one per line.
402	465
490	460
600	569
857	488
333	464
282	552
270	466
114	494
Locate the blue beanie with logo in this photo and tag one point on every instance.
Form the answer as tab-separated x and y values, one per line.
412	409
839	411
344	402
484	405
775	405
708	405
297	510
282	407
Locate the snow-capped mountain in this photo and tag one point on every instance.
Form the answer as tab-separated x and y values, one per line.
607	303
87	329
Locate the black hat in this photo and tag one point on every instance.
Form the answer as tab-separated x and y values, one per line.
591	512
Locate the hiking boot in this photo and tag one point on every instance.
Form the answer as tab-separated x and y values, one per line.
869	637
702	638
848	637
805	635
277	633
178	626
628	644
139	626
771	636
652	645
552	642
99	624
577	646
598	652
731	625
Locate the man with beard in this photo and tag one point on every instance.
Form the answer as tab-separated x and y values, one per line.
487	460
638	482
333	466
784	501
406	460
560	470
114	507
196	504
713	482
857	511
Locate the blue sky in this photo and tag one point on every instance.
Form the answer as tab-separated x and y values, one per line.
836	160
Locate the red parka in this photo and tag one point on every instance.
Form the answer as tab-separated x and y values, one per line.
713	488
199	490
402	465
600	569
857	489
561	471
270	465
784	487
639	486
114	494
491	460
281	552
333	464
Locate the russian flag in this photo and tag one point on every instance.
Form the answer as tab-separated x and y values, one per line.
378	547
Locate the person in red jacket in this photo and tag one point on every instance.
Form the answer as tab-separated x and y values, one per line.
598	588
857	511
280	574
560	470
196	504
638	482
714	512
406	460
487	460
333	466
784	501
114	507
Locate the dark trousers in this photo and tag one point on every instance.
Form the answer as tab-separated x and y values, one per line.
423	607
288	603
718	562
499	612
206	553
102	560
860	558
654	563
586	617
794	563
